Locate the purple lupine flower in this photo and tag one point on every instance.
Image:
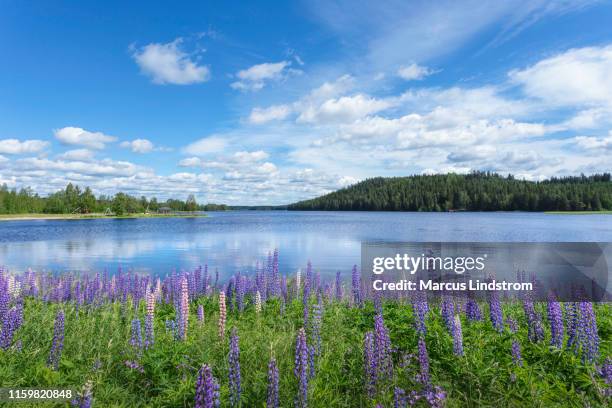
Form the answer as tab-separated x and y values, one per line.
12	321
512	324
435	396
382	349
149	318
571	318
535	331
423	376
447	309
369	363
201	314
472	310
587	332
234	369
240	292
516	353
301	369
495	312
57	344
338	286
356	282
207	389
457	336
316	328
136	336
83	400
420	309
272	400
133	365
555	317
399	398
311	361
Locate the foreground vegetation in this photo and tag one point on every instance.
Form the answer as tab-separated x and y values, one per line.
104	356
473	192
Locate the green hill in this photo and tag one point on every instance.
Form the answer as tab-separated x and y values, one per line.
478	191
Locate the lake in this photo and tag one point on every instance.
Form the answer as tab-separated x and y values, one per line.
235	240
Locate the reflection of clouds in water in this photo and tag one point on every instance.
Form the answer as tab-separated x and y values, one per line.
161	254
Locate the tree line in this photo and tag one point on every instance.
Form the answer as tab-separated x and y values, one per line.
76	200
477	191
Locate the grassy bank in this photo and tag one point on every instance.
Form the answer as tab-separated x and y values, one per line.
97	346
92	216
580	212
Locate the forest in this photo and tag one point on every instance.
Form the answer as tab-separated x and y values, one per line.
76	200
477	191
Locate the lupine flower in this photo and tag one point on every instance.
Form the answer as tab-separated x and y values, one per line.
516	353
298	279
311	361
447	309
555	317
240	292
472	310
149	318
136	337
571	317
512	325
301	369
272	401
183	319
257	302
234	369
11	322
495	311
399	398
316	328
207	389
534	322
420	309
84	400
587	332
356	282
201	313
457	337
57	343
435	396
133	365
222	314
382	348
338	286
370	363
423	376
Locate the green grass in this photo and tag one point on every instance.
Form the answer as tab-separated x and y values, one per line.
97	344
580	212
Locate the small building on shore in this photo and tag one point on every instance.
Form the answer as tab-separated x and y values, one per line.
164	210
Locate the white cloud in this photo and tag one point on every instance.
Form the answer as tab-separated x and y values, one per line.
595	143
106	167
211	144
190	162
343	109
78	136
15	146
578	77
168	64
413	72
77	155
259	116
256	77
139	145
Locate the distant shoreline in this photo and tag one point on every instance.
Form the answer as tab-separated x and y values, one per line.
29	217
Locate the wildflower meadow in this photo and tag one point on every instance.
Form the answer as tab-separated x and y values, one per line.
278	339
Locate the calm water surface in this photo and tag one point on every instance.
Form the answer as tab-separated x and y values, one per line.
235	240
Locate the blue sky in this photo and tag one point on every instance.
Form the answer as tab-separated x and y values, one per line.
273	102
